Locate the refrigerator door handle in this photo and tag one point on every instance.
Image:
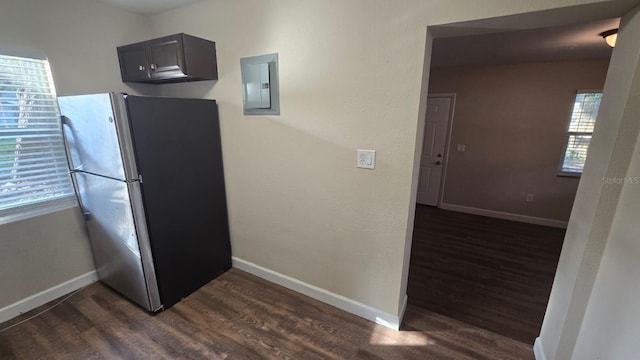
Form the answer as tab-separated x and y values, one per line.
85	213
66	123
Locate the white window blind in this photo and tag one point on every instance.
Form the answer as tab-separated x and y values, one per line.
34	176
583	120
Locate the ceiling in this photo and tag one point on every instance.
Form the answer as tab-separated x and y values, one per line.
568	42
149	7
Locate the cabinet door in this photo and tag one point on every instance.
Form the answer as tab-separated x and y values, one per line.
134	62
167	57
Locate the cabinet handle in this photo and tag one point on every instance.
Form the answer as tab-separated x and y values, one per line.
153	66
141	67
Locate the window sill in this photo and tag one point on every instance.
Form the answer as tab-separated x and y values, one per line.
32	210
569	175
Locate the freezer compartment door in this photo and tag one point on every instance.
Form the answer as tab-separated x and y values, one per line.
114	239
96	130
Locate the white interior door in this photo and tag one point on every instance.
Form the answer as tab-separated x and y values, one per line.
435	141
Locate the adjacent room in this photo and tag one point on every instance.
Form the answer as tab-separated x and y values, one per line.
500	169
293	239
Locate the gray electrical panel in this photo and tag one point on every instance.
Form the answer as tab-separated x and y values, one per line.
260	87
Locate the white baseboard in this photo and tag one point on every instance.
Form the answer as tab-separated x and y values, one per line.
403	308
339	301
20	307
505	216
538	352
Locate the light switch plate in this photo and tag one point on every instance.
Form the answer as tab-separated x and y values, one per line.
366	159
461	147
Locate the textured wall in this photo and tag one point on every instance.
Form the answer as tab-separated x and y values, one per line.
513	120
351	76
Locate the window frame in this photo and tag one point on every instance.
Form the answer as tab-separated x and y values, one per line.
19	212
568	134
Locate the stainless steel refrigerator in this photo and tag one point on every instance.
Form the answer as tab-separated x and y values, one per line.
149	177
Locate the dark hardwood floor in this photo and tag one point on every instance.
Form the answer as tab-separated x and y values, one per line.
492	273
240	316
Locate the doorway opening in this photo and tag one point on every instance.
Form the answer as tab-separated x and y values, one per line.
492	207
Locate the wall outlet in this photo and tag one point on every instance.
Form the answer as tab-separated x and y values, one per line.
366	159
529	197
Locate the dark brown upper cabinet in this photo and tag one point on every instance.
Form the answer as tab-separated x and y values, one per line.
173	58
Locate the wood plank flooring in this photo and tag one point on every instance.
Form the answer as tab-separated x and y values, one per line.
492	273
240	316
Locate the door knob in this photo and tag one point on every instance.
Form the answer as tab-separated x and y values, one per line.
439	155
438	162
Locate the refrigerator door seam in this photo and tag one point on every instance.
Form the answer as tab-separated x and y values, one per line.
102	176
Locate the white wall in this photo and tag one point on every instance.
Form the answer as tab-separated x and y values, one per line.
611	326
351	75
42	252
513	121
601	218
79	37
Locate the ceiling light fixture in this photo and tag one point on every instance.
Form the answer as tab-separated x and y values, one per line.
610	36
